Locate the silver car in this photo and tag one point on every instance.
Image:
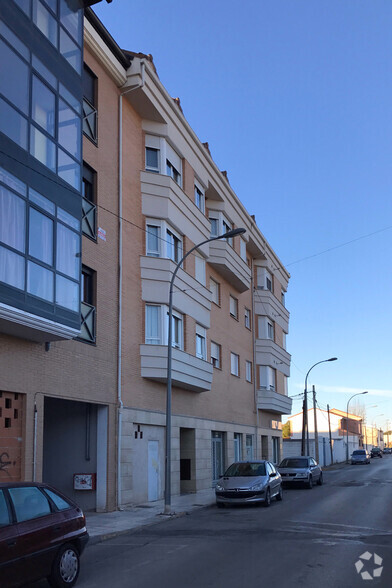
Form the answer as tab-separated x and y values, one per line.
360	456
303	469
249	481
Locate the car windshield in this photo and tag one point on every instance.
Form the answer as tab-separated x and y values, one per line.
294	463
245	469
359	452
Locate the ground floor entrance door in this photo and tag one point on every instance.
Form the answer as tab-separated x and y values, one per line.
218	455
153	470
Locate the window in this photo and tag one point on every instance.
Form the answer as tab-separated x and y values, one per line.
237	447
214	226
29	503
173	164
215	355
89	209
173	172
59	502
153	240
270	330
152	159
173	246
248	371
90	115
4	514
234	364
247	318
201	352
220	225
264	279
243	250
266	328
200	270
233	307
168	247
283	297
267	377
30	213
227	226
215	290
88	311
199	197
157	324
284	335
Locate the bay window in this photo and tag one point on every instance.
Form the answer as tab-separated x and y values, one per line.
161	158
169	247
157	324
201	352
267	377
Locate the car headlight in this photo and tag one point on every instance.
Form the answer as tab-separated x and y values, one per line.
258	486
219	488
302	475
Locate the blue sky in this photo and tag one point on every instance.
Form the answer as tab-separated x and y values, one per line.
294	98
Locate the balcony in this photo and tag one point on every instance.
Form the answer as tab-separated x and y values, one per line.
269	353
266	303
230	265
191	297
272	401
163	198
188	372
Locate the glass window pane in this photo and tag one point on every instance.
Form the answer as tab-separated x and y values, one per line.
12	220
68	252
70	51
69	130
45	22
25	5
12	268
67	293
39	281
45	73
60	503
29	503
68	219
13	124
152	241
43	106
4	515
12	182
151	157
41	237
14	78
152	325
14	41
52	4
71	20
69	169
42	148
41	201
70	98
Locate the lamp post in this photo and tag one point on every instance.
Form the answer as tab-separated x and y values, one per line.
227	235
305	409
357	394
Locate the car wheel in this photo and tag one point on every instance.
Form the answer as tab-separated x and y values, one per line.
65	568
320	480
309	483
279	495
267	501
220	504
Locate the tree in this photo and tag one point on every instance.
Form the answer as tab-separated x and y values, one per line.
286	430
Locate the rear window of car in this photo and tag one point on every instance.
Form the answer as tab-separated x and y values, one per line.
29	503
294	463
359	452
4	514
60	503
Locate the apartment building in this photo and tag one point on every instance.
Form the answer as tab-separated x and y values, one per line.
58	373
83	340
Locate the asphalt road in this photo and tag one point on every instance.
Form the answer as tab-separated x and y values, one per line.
311	539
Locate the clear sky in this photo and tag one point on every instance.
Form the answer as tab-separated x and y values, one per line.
295	98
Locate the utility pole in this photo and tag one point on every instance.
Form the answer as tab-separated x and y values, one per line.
316	442
330	434
304	423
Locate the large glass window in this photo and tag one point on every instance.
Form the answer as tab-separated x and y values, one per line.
14	78
41	237
12	219
67	293
45	22
153	336
43	106
40	281
12	268
29	503
69	130
13	124
68	249
43	148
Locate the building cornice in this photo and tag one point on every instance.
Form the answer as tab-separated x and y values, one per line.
99	47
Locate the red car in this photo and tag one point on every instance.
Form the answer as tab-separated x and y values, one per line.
42	535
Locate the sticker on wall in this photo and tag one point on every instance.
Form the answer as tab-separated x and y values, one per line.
84	481
102	233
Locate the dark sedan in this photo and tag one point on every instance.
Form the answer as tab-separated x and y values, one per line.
376	452
301	469
42	535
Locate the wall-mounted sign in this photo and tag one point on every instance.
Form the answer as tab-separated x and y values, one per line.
102	233
84	481
276	425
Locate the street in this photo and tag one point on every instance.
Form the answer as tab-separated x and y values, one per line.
312	538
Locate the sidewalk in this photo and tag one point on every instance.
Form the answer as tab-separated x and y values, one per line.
103	526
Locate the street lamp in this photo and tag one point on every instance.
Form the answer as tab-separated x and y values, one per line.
357	394
227	235
305	409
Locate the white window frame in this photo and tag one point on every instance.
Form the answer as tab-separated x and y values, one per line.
270	330
201	339
154	340
166	154
149	226
223	225
215	291
154	143
264	279
163	239
233	307
248	323
243	250
200	195
234	364
215	354
267	377
248	371
266	328
200	269
163	324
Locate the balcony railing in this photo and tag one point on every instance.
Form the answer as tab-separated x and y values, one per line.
272	401
87	329
89	218
90	116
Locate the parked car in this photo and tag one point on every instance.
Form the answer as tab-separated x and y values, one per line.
302	469
360	456
247	482
42	535
376	452
387	450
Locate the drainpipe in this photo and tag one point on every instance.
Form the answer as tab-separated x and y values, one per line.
254	356
120	243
